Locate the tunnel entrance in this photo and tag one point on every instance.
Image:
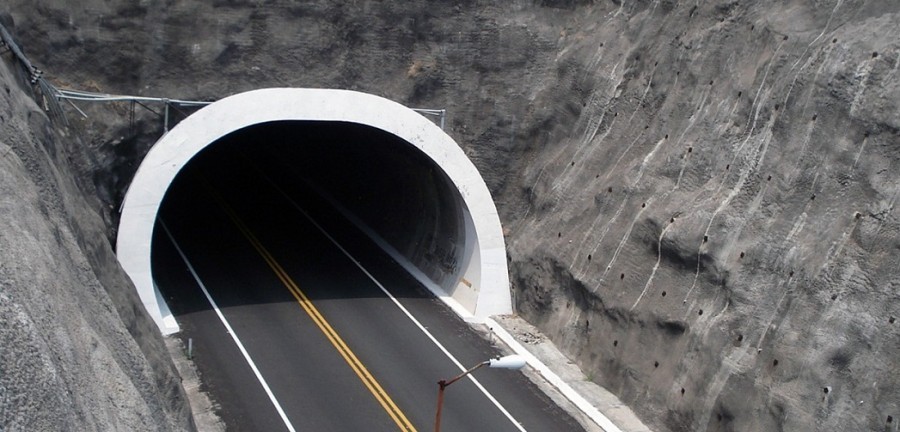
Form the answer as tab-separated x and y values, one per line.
387	170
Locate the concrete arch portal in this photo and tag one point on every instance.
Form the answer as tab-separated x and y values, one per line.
476	287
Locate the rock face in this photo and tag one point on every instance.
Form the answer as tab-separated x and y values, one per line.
699	196
715	234
77	351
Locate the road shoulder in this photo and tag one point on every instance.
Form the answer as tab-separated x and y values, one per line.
203	408
593	406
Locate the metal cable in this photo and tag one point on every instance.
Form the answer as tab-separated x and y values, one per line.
50	96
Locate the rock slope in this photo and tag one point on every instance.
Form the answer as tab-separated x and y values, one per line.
77	351
715	234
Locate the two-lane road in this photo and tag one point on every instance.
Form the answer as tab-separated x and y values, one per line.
328	344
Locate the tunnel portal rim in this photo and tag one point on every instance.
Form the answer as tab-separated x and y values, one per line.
182	143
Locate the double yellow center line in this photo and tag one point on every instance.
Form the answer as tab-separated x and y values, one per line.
333	337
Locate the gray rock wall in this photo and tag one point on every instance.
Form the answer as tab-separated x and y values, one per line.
697	195
77	351
714	235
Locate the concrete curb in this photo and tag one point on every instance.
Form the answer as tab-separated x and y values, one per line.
589	410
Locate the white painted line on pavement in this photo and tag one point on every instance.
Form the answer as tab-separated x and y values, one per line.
230	331
554	379
567	391
400	306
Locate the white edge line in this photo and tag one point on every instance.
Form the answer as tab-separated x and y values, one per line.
402	308
605	423
567	391
396	256
229	329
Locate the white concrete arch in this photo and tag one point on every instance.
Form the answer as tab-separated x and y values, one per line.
483	286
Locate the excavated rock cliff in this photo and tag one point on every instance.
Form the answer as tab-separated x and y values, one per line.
714	231
699	197
77	351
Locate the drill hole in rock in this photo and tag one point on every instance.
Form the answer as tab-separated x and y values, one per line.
615	343
643	205
682	391
700	312
775	362
742	254
589	257
834	296
890	419
655	364
664	294
891	320
609	189
705	238
740	338
622	276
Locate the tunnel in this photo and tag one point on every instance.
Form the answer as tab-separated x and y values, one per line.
386	170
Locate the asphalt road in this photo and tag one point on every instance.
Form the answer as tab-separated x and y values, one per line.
337	353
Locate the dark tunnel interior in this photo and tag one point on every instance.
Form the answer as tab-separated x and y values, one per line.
330	170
